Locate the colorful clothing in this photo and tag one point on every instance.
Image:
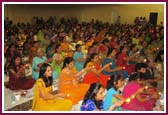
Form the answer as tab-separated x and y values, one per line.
121	62
135	104
91	106
75	92
91	77
106	61
57	64
78	65
21	82
110	99
39	104
35	68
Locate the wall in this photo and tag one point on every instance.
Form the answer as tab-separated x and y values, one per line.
106	13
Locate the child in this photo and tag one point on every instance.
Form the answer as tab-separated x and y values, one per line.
112	95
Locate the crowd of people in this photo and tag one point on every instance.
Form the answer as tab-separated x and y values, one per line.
114	67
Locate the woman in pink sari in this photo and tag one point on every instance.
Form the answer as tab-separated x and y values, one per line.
140	99
95	74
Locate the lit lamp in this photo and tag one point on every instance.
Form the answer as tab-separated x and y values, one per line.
128	100
145	60
68	95
123	67
146	87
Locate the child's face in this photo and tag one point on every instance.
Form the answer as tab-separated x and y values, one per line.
100	94
120	83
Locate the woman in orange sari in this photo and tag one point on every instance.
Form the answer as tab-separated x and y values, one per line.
69	81
95	75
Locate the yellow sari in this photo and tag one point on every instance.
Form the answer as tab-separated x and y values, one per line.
39	104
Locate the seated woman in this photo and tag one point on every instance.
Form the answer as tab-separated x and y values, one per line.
37	62
69	81
93	100
44	99
112	69
123	59
57	61
78	58
95	74
142	101
17	79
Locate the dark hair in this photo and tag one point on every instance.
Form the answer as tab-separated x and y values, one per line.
110	82
67	60
77	46
110	51
136	75
91	93
48	81
57	46
12	63
90	58
138	66
158	56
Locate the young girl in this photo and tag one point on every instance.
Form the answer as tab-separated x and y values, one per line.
112	94
44	99
93	100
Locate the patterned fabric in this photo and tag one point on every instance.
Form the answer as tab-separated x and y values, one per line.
90	106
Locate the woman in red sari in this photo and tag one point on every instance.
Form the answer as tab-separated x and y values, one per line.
95	74
122	60
17	79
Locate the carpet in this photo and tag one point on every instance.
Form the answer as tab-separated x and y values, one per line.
22	107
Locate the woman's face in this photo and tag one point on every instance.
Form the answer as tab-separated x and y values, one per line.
96	58
140	81
100	94
48	72
70	65
17	61
41	53
114	53
59	50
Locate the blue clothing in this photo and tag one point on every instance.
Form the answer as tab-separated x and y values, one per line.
78	65
36	61
110	99
90	106
106	61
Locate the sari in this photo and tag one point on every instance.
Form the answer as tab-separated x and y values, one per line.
57	104
91	77
74	92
